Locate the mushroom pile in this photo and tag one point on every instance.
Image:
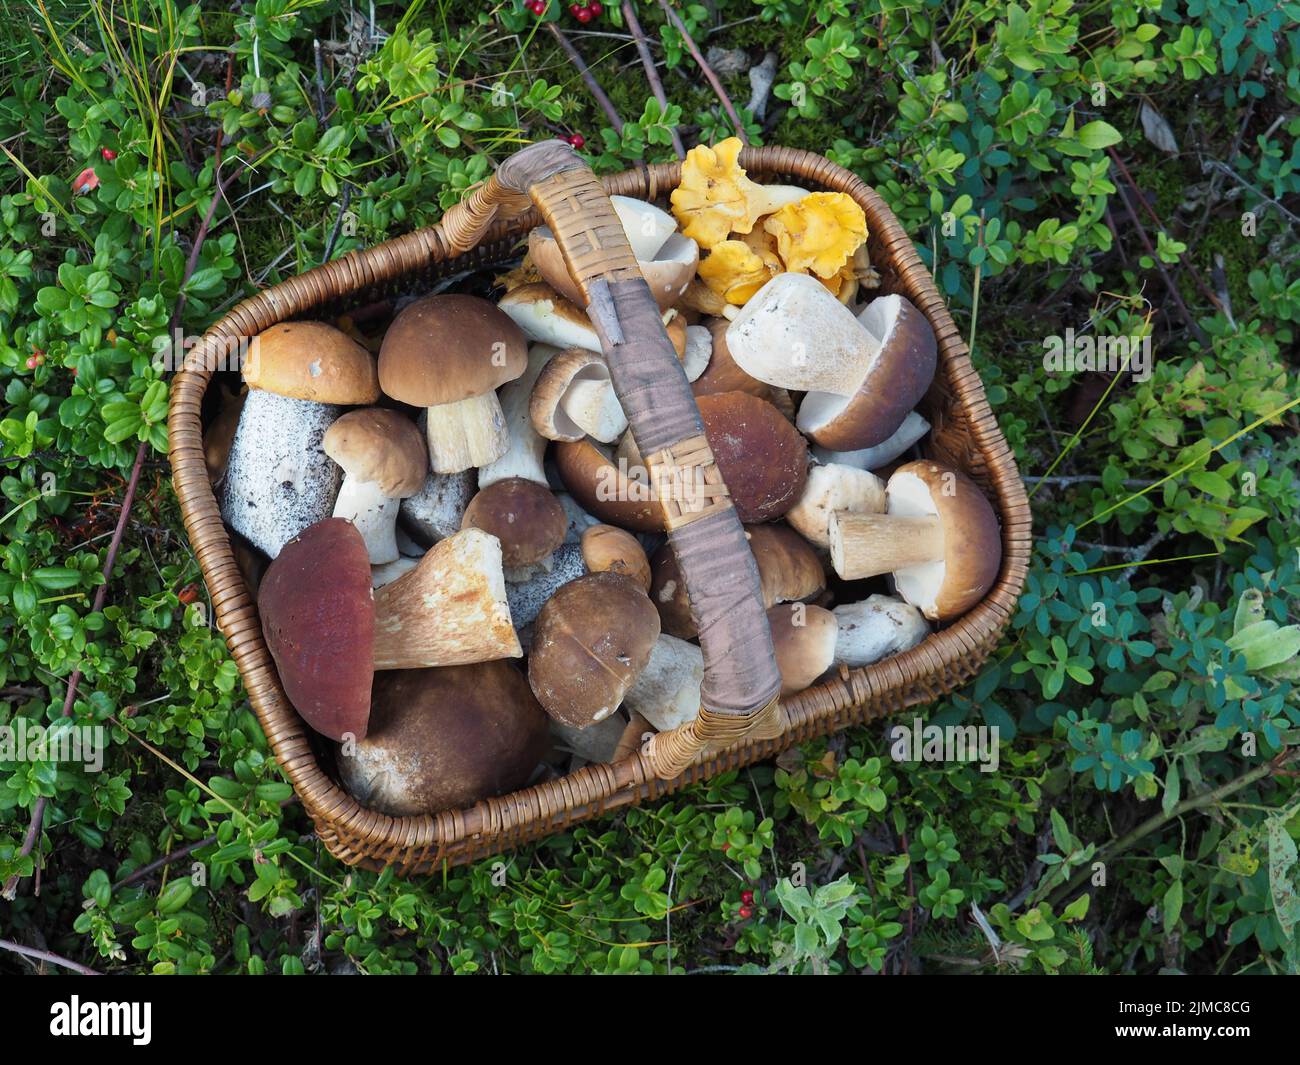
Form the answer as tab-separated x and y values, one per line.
458	559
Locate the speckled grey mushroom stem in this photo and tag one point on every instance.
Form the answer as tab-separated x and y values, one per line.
278	478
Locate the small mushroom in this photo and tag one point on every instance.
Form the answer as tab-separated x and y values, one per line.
435	511
574	397
384	460
788	570
523	515
547	317
319	623
830	489
762	458
618	495
590	641
449	610
444	739
278	478
803	637
667	691
914	427
875	628
939	538
862	375
605	548
449	353
524	456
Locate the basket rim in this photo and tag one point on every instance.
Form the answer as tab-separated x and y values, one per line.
356	834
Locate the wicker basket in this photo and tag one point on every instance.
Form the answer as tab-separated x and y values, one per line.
964	434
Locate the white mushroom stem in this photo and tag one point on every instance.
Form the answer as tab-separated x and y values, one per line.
374	514
872	458
451	609
667	692
278	478
390	571
527	447
595	743
794	334
830	489
471	432
875	628
865	545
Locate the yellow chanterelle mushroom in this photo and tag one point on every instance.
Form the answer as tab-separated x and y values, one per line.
819	233
716	198
735	271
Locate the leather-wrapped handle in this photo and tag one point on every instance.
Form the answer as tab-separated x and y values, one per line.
739	695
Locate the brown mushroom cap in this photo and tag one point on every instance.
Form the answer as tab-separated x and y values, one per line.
319	623
667	274
972	541
894	383
448	348
602	490
723	375
803	637
788	566
590	641
788	569
445	738
380	445
605	547
762	457
523	515
314	361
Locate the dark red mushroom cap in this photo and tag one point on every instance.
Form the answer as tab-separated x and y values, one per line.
318	617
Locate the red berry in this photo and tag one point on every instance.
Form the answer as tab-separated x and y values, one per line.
746	912
583	15
537	7
576	139
595	8
108	154
574	9
31	362
40	358
747	897
726	847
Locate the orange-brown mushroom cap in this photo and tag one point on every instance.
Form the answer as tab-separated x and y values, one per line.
524	515
312	361
381	446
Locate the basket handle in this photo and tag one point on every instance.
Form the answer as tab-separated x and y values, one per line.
739	695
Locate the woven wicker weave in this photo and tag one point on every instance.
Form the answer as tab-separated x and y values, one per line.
964	434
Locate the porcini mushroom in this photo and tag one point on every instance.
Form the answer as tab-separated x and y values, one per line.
872	458
876	628
762	458
606	548
803	637
831	488
450	353
590	641
523	515
863	375
618	495
722	373
449	610
384	460
278	478
939	538
547	317
574	397
667	691
445	738
321	632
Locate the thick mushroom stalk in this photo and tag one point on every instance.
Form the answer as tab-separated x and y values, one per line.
939	538
449	610
383	461
449	353
527	447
